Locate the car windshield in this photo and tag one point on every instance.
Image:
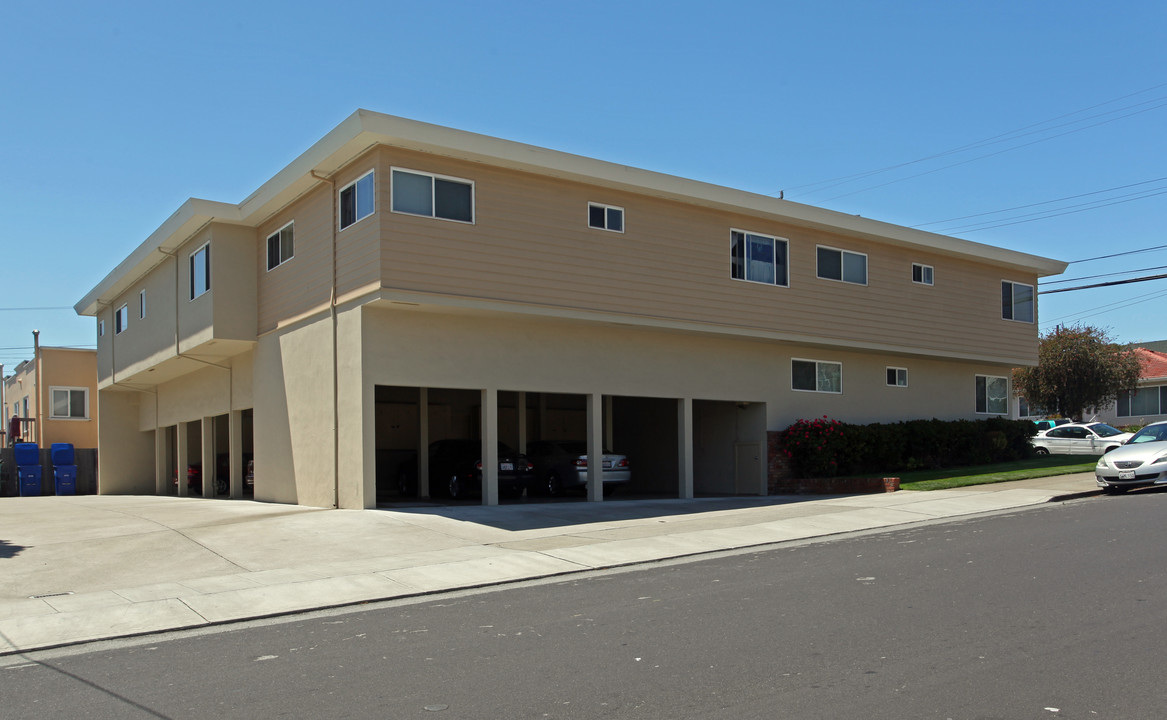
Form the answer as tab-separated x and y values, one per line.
1151	433
1104	430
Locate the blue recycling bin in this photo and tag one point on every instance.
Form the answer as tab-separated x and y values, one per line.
65	478
30	480
62	454
26	454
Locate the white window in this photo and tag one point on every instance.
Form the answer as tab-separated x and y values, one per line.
200	271
436	196
992	395
921	274
69	403
280	247
843	265
816	376
1146	401
758	258
606	217
142	305
897	377
1016	301
357	200
121	319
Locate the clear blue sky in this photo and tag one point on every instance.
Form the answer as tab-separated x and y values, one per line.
113	113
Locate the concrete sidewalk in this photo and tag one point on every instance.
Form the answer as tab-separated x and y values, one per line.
74	569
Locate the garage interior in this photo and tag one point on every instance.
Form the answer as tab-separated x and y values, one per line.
182	447
727	437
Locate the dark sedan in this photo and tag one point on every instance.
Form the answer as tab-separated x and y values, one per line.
456	471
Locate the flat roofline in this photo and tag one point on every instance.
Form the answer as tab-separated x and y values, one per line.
365	129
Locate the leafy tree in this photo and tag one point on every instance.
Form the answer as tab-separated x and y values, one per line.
1077	367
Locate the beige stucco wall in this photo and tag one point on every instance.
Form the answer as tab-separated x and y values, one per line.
126	453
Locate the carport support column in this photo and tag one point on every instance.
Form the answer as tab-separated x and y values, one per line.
181	448
208	471
595	422
489	426
608	442
685	448
522	412
161	477
423	443
235	452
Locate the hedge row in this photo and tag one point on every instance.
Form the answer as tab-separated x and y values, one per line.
826	448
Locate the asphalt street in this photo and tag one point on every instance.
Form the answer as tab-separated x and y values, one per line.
1058	611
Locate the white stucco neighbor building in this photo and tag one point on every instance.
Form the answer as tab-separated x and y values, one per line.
400	283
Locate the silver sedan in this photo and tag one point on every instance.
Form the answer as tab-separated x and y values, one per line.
1140	463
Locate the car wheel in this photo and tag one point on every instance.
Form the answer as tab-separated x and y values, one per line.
553	486
1112	447
456	488
1040	451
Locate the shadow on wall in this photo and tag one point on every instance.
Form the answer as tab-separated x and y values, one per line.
8	550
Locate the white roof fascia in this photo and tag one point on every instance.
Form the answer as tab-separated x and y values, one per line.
365	129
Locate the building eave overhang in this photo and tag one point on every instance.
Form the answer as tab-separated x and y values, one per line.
364	130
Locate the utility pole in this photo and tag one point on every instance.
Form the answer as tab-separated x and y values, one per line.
36	359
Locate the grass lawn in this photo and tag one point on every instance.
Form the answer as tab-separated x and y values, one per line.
1034	467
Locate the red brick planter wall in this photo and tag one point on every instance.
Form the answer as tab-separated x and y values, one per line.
782	480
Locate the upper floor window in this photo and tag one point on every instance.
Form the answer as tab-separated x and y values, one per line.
200	271
992	395
121	319
357	200
280	247
921	274
816	376
142	305
606	217
757	258
72	403
418	193
849	267
1016	301
897	377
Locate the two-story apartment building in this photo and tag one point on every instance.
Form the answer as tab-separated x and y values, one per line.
401	283
54	397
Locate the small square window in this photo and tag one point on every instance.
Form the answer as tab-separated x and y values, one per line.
69	403
816	376
992	395
897	377
280	247
758	258
606	217
842	265
121	320
1016	301
921	274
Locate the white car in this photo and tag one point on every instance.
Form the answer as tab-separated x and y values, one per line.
1139	463
1079	439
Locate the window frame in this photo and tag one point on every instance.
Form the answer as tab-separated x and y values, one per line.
65	388
897	370
976	392
745	274
925	270
355	186
121	319
842	265
607	217
434	177
817	363
1013	302
1127	399
206	271
278	236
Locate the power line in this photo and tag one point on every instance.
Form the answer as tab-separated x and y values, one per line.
1095	277
1002	137
1105	284
21	309
1102	309
1120	200
1114	255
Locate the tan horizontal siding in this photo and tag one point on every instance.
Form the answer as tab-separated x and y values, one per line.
530	243
304	281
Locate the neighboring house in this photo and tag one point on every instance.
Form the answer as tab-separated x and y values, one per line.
401	283
1149	403
55	397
